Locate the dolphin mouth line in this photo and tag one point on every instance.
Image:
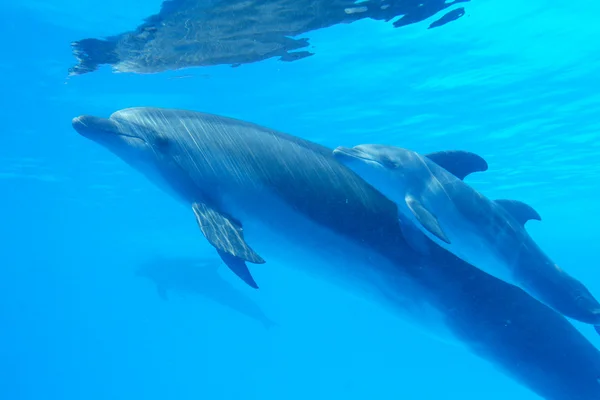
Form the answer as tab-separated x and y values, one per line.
93	126
125	135
354	154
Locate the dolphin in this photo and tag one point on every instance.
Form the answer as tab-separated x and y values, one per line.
264	197
431	195
199	276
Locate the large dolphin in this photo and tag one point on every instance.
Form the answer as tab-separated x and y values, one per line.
430	194
199	276
258	194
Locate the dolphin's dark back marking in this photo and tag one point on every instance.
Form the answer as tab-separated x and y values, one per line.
364	215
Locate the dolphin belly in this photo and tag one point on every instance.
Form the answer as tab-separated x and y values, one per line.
287	238
473	247
466	242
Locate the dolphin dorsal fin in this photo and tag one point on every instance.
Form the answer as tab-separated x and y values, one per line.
459	163
520	211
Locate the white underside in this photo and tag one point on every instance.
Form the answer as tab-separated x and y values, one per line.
469	244
276	232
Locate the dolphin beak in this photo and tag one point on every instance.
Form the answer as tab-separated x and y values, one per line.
347	155
87	125
341	152
83	124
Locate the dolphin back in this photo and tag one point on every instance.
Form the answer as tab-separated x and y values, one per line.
305	175
162	119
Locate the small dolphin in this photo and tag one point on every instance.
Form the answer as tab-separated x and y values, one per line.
258	191
431	195
199	276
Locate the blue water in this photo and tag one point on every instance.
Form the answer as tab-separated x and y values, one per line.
516	82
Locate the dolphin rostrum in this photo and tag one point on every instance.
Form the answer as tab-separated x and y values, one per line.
490	234
259	195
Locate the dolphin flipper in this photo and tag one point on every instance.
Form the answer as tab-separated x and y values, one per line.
426	218
238	267
520	211
227	236
224	233
459	163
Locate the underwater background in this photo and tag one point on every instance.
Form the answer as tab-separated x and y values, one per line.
515	82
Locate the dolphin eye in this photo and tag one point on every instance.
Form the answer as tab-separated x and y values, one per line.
162	143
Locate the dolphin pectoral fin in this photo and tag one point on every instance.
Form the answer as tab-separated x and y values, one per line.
426	218
238	267
162	292
413	235
459	163
597	329
227	236
520	211
224	234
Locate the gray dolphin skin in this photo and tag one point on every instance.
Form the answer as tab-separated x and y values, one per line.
430	194
258	194
199	276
